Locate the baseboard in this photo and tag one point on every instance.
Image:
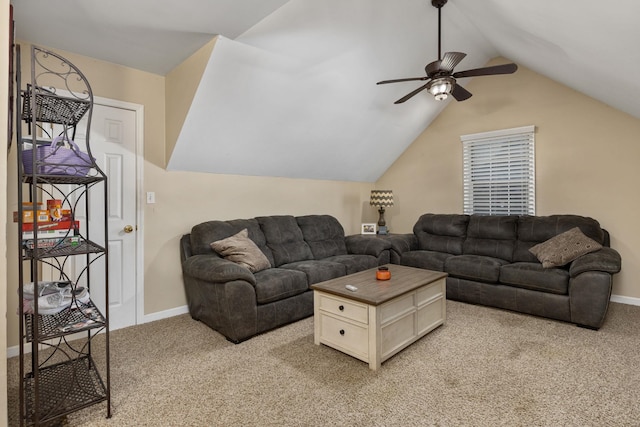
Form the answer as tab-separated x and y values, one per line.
165	314
625	300
15	350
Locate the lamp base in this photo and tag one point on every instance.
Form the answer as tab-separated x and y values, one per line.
382	229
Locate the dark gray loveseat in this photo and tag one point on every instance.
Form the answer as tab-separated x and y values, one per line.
489	263
301	251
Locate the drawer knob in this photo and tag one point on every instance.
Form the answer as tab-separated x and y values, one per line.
341	308
341	331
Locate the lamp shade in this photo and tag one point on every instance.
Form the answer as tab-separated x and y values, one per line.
382	198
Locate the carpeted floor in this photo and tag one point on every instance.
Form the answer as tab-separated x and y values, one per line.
484	367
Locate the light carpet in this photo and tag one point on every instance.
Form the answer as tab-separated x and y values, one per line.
484	367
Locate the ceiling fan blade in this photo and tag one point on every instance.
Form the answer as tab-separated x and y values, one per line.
460	93
410	95
402	80
450	60
487	71
432	68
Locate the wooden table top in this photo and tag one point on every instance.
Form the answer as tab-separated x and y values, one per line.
375	292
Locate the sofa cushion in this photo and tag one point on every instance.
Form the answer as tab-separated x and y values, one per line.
284	237
204	233
240	249
323	234
274	284
354	262
564	248
474	267
441	232
532	275
491	236
537	229
429	260
318	270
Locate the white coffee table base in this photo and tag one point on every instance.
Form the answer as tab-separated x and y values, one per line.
374	333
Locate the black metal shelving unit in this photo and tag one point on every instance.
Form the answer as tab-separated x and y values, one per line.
60	374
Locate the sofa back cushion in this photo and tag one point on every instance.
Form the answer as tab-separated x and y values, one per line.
202	235
323	234
537	229
492	236
284	238
441	232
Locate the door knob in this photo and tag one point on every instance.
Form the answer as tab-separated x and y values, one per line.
128	228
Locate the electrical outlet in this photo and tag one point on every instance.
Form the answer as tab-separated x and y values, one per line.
151	197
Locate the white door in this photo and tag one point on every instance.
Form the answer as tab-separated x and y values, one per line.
113	144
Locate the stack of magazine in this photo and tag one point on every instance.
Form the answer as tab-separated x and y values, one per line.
86	315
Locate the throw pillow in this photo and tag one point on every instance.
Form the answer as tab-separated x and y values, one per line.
240	249
564	248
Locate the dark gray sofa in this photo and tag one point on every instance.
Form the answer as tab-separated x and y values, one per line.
301	250
489	263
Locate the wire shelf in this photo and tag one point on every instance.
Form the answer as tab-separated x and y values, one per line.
78	317
63	388
62	179
52	108
63	379
63	247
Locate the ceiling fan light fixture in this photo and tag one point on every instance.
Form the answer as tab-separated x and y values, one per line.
441	88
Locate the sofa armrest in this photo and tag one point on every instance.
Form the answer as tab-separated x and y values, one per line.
402	243
185	247
589	296
366	245
606	260
212	268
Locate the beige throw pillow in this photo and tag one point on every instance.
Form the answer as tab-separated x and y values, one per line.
240	249
564	248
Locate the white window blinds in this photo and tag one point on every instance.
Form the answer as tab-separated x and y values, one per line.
499	172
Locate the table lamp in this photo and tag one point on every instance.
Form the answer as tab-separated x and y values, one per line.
381	199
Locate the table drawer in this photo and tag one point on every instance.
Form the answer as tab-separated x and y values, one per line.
346	336
341	307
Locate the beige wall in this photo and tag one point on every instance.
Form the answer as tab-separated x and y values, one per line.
109	81
585	152
4	94
181	85
184	199
586	159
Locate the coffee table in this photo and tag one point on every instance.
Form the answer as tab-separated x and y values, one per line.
381	318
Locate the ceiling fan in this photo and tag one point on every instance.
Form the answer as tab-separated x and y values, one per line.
441	78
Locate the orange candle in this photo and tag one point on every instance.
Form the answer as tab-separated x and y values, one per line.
383	273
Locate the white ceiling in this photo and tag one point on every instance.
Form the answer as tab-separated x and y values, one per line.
290	87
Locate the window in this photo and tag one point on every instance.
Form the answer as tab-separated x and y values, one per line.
499	172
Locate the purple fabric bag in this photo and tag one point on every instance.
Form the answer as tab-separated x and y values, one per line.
56	159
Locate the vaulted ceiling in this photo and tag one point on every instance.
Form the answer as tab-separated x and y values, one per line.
289	89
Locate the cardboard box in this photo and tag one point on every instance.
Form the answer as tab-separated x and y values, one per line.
51	243
42	215
60	225
50	230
